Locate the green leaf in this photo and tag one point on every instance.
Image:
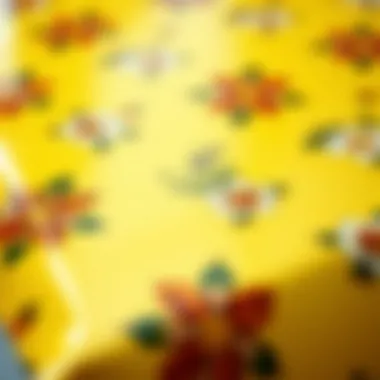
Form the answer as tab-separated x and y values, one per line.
328	238
102	145
363	63
376	160
149	331
362	270
293	98
41	102
202	94
130	133
322	46
221	178
359	374
243	218
217	275
14	252
60	186
252	74
264	362
279	189
376	214
199	183
363	30
367	121
88	223
318	139
241	116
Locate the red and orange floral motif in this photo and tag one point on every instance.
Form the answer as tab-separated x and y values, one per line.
44	217
359	46
358	139
17	93
23	321
237	199
85	29
101	130
252	93
209	331
26	5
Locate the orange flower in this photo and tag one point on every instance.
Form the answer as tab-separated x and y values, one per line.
268	95
89	27
356	45
226	94
11	104
369	240
242	199
35	89
221	318
60	32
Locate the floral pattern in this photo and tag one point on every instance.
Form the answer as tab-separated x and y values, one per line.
248	95
237	199
254	63
360	242
24	321
44	217
25	90
101	130
360	140
84	29
359	46
210	330
148	62
26	5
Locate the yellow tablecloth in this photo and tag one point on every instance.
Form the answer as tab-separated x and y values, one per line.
88	287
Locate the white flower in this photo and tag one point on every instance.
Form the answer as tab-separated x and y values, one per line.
360	142
9	86
94	128
349	236
148	62
240	200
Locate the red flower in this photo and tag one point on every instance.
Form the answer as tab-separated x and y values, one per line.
264	95
60	32
343	44
23	321
269	94
35	89
88	127
369	240
226	95
58	213
15	228
242	198
45	217
250	311
88	28
65	30
356	45
24	5
210	327
11	104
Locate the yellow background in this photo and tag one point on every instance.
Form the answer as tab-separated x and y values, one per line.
326	324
